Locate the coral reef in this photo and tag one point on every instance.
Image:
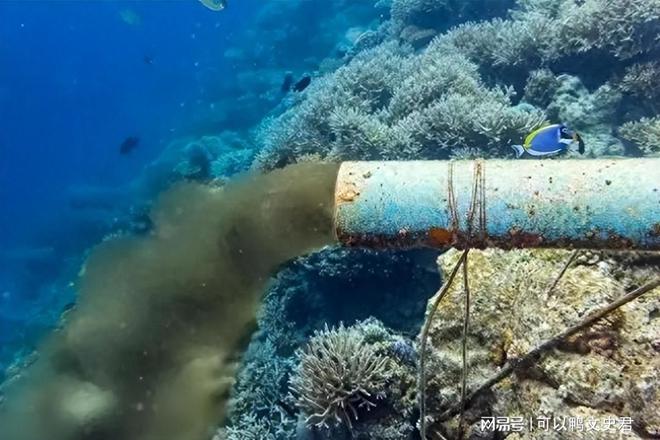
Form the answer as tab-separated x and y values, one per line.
608	369
335	367
391	102
642	80
326	288
543	31
337	376
200	159
645	133
388	103
249	428
401	79
439	15
589	113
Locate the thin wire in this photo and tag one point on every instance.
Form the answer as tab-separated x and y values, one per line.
423	342
574	255
451	198
482	202
477	206
534	355
478	203
466	326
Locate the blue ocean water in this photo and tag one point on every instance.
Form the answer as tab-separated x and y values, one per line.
131	311
77	79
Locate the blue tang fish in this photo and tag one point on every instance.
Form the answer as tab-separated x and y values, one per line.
549	140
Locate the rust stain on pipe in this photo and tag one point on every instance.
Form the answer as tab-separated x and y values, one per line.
602	203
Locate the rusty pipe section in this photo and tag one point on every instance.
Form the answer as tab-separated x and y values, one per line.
603	203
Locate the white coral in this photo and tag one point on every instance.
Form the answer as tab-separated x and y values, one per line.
338	374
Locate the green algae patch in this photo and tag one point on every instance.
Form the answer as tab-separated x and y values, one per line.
150	351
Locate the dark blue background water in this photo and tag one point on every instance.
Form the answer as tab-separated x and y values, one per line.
74	83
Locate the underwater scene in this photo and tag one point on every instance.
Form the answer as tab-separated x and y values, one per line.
329	219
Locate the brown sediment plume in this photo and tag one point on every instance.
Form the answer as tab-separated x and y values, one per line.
149	352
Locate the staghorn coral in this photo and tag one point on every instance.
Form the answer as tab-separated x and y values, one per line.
645	133
249	428
389	103
623	28
542	31
641	85
642	80
338	375
440	14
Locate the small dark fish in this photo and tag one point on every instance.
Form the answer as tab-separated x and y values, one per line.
288	82
129	144
302	83
148	60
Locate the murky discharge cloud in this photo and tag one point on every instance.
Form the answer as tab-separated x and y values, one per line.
150	350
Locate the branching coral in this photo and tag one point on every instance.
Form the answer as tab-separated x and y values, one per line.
419	12
249	428
261	381
542	31
339	374
391	104
624	28
501	42
439	14
645	133
641	81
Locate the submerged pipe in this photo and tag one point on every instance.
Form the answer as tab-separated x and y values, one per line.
604	203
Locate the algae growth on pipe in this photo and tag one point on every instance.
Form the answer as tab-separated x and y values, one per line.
149	352
603	203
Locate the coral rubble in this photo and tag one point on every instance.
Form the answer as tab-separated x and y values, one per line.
609	369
